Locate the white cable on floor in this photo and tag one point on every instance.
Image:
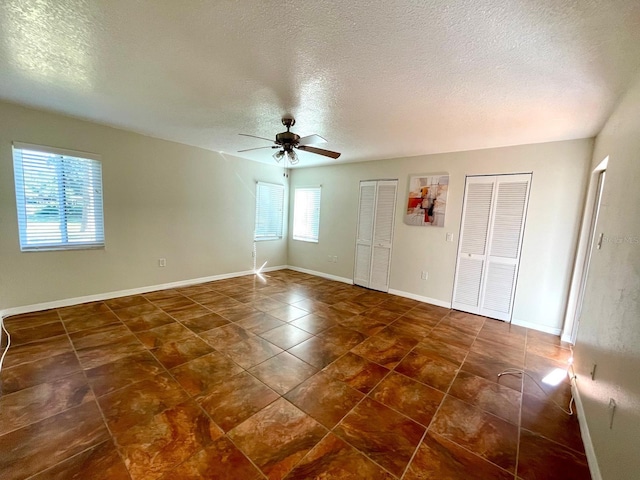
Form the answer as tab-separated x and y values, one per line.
8	342
516	371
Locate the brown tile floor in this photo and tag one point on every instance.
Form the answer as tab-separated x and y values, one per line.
290	376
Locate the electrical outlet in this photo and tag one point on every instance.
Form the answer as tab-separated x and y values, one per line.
162	262
424	275
330	258
335	259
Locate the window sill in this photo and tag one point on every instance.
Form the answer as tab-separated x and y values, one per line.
59	248
308	240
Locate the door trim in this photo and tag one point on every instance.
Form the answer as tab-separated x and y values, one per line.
569	331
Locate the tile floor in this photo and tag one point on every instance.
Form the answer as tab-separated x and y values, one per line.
290	376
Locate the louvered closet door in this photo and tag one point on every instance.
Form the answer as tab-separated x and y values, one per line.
383	234
509	213
374	237
364	233
472	251
494	215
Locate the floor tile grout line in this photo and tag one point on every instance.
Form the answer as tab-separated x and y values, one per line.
74	456
546	396
474	406
190	398
197	334
244	370
178	292
367	395
36	340
561	445
44	418
224	433
95	398
441	401
283	396
519	413
331	430
471	452
388	374
524	365
314	334
496	382
194	399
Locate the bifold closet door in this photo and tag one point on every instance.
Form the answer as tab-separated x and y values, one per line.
493	220
374	235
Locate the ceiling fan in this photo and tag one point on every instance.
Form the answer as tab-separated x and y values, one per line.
287	141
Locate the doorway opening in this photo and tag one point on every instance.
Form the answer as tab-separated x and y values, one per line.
586	245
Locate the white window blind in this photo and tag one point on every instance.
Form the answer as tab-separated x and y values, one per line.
269	211
59	198
306	214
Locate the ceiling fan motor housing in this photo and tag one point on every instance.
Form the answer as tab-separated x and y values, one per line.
287	139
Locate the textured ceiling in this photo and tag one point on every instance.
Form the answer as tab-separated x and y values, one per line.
377	79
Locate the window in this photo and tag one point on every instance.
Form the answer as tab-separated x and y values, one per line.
269	208
59	198
306	214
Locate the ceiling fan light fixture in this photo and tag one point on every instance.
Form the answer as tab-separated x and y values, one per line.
292	157
278	155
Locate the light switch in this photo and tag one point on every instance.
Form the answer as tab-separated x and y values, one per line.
449	237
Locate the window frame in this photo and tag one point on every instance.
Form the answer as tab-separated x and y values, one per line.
314	236
269	233
93	165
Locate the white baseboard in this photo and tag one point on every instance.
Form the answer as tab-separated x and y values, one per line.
399	293
184	283
566	338
420	298
584	431
328	276
124	293
536	326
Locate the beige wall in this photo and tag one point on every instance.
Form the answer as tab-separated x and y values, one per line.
609	331
560	171
194	207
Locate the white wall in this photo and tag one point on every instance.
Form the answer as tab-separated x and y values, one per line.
560	171
609	331
194	207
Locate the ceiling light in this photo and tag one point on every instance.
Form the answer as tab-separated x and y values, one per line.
278	155
292	157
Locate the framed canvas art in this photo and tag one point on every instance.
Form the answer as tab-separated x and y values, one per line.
427	200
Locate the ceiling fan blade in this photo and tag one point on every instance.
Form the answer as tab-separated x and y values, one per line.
311	140
254	136
257	148
319	151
